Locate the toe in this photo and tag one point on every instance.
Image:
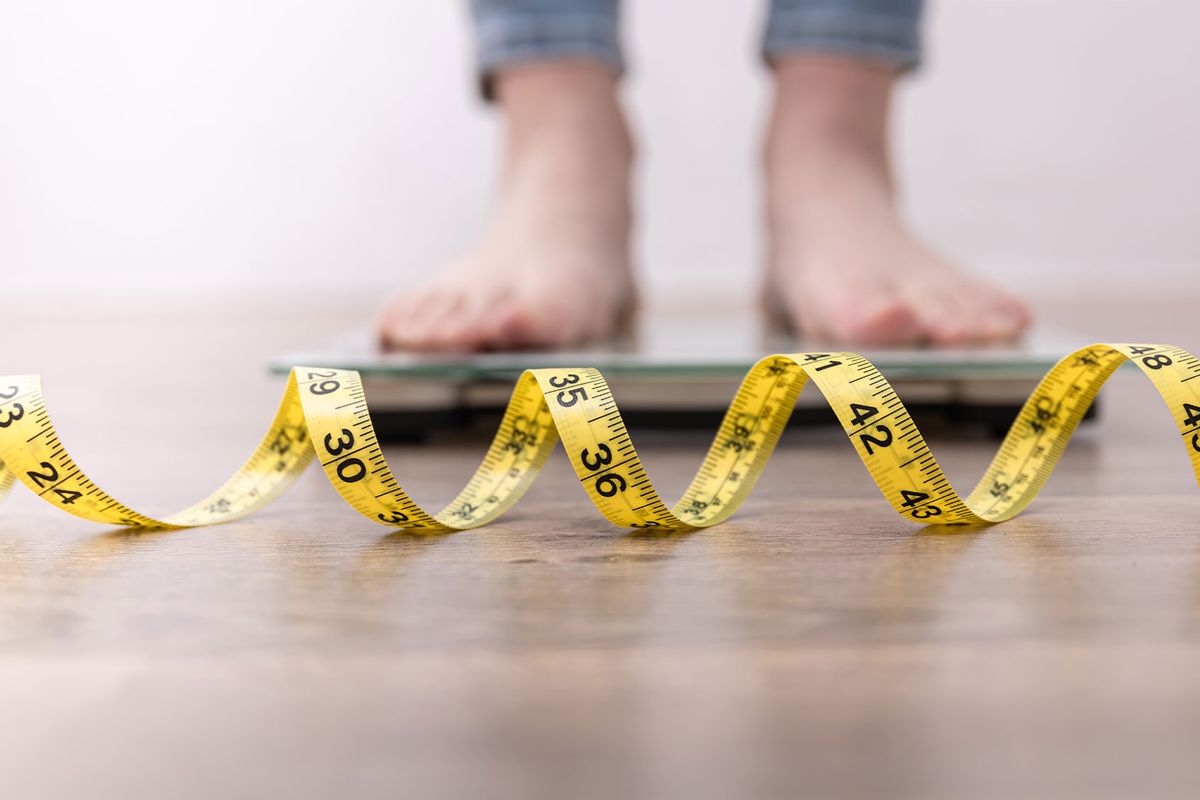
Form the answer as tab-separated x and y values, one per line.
987	315
941	313
878	319
396	321
522	325
425	327
441	329
1011	313
954	325
538	318
966	312
469	327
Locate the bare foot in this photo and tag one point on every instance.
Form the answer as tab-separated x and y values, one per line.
842	265
553	266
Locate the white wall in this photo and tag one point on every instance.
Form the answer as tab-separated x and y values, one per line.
150	146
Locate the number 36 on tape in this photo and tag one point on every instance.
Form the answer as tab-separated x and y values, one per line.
324	415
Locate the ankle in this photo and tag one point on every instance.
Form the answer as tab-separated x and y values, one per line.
571	103
830	109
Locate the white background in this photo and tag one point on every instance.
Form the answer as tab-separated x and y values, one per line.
223	146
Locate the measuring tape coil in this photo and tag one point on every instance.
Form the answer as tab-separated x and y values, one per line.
324	414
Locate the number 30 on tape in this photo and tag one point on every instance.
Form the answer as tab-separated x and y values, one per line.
324	415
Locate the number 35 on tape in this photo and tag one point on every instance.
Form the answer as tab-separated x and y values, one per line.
324	415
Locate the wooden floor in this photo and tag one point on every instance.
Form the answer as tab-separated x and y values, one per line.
815	644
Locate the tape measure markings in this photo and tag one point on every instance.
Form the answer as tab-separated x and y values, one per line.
324	416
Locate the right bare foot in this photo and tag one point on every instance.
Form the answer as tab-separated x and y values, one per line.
553	267
844	267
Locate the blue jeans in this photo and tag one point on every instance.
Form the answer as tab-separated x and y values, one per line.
514	31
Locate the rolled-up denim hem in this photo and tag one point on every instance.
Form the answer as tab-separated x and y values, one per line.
891	41
508	39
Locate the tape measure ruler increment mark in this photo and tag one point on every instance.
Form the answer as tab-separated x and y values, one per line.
324	414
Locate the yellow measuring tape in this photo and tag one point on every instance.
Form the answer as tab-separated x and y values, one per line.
324	413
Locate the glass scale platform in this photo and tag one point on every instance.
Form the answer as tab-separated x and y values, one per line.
680	374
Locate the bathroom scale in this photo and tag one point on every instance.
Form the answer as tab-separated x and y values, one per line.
676	374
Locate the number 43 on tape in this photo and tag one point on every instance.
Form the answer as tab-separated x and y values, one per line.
324	415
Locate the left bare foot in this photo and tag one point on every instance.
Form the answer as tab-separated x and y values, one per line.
842	264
